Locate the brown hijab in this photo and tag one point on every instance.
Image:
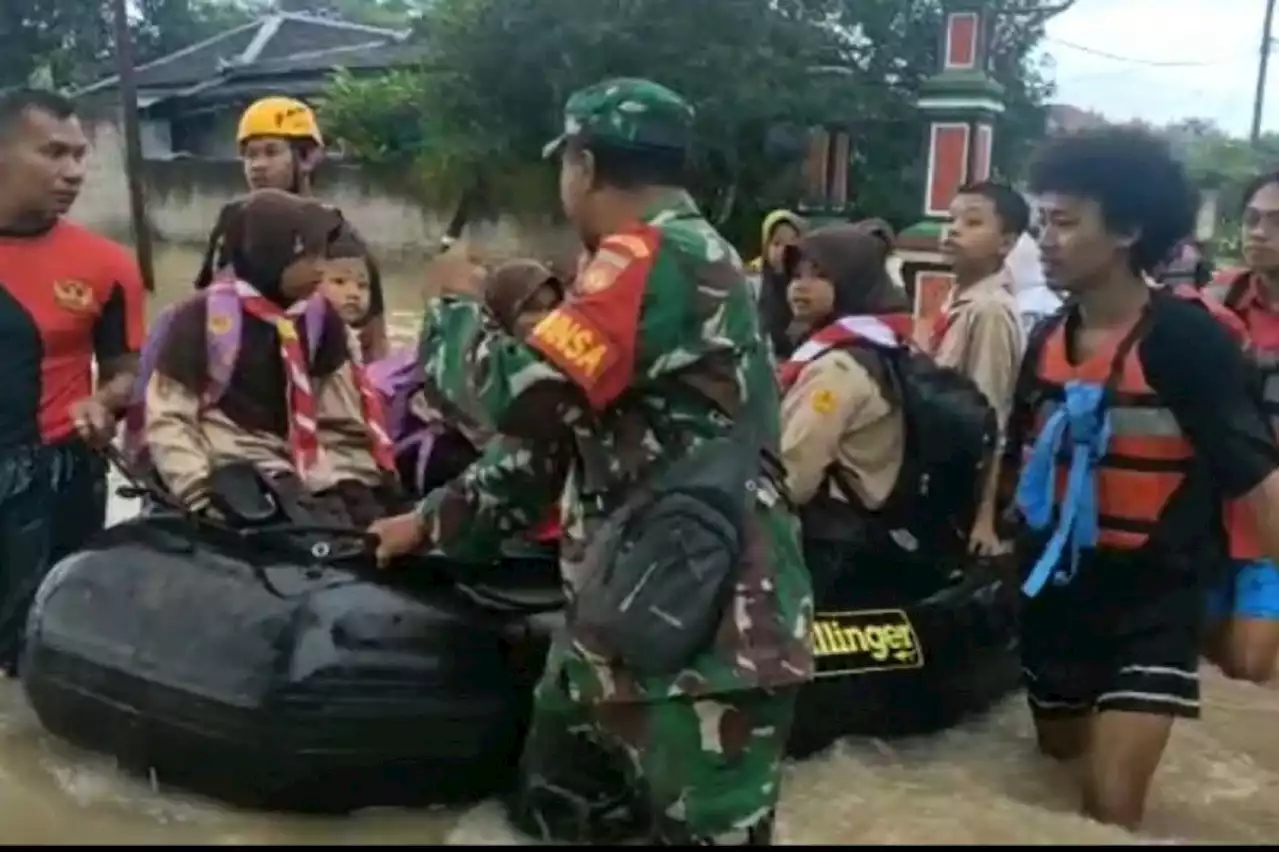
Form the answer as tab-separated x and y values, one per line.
852	259
513	284
261	235
265	231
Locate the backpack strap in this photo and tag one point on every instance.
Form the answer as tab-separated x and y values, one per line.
223	330
874	356
1028	374
136	412
1236	292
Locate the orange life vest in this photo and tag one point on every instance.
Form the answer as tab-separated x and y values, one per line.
1147	459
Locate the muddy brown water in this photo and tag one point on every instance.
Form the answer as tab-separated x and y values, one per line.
978	784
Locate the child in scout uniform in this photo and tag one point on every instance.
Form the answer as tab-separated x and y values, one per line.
259	368
280	147
980	332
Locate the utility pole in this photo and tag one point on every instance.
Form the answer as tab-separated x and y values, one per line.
1264	57
132	143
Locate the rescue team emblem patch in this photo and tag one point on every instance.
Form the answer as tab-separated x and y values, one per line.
597	277
73	296
602	270
219	324
615	254
636	247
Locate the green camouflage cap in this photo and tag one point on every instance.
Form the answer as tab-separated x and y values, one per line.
627	112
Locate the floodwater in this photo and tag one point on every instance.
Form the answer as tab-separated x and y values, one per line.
978	784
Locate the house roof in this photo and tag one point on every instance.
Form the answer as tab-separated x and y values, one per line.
276	38
372	54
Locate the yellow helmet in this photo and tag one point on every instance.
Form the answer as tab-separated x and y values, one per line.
278	116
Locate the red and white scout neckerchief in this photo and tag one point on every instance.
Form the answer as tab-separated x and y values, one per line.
304	442
940	328
887	330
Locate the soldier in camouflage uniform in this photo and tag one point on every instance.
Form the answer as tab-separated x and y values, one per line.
655	350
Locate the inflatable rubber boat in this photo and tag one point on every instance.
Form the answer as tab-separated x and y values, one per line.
269	666
894	662
267	671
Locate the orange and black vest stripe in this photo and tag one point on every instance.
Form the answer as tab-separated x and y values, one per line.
1148	458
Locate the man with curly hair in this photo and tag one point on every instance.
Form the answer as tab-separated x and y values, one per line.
1135	418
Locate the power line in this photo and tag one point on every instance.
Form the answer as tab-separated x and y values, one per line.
1153	63
1264	55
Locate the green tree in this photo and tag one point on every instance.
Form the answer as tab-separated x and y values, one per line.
1220	163
497	72
64	43
57	42
162	26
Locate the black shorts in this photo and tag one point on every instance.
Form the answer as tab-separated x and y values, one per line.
1072	668
52	500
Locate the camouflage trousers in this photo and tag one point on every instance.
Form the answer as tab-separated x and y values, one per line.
683	771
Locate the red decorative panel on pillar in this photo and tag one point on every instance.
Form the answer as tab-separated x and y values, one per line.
839	170
815	166
962	42
948	165
982	153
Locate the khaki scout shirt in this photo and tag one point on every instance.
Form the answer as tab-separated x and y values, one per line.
984	339
836	414
187	439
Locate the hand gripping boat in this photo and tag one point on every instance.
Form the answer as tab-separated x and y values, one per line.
267	666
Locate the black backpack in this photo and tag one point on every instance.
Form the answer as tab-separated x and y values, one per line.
951	433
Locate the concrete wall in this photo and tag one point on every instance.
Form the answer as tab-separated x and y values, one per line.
184	196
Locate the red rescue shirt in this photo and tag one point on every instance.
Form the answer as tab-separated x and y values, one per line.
67	296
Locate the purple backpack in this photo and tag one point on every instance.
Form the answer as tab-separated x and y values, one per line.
222	339
397	378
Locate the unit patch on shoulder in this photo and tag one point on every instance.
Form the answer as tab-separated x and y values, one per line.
823	401
219	324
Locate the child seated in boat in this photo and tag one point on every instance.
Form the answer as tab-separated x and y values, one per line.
843	433
345	281
520	293
435	441
259	368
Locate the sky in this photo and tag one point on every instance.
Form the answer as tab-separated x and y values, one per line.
1164	60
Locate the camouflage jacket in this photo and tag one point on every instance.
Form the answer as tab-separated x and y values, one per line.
657	342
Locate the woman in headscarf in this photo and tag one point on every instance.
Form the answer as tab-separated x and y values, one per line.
253	369
778	232
842	436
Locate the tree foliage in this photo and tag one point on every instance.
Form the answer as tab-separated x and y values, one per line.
1220	163
65	43
498	71
393	14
